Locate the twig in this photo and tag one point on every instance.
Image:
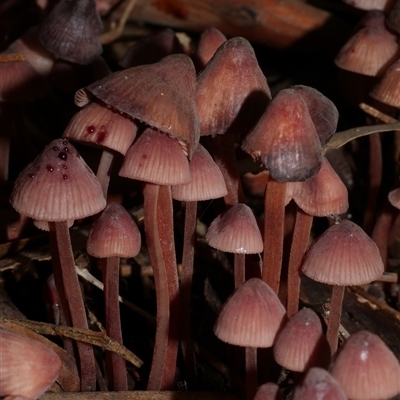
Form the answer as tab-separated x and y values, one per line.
82	335
387	119
5	58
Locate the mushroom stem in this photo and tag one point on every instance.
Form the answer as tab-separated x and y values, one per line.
239	268
301	235
251	372
274	211
223	151
115	364
158	217
375	178
75	302
186	288
335	313
103	173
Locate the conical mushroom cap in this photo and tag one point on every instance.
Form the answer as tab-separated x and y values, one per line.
57	186
207	180
285	139
27	368
96	123
114	234
236	231
72	31
232	92
252	316
162	95
343	255
366	368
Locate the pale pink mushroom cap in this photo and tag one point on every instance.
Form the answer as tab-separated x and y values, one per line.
207	180
366	368
302	344
27	368
156	158
251	317
114	234
235	231
343	255
319	384
57	186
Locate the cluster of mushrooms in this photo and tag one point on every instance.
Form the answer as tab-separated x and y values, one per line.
178	120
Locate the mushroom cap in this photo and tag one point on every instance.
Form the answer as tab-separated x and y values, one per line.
343	255
302	344
57	186
235	231
27	368
232	92
151	48
156	158
371	49
322	195
114	234
268	391
251	317
207	180
72	31
162	95
387	90
394	198
285	139
323	112
98	124
209	42
366	368
319	384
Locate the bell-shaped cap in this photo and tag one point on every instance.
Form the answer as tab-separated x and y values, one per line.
343	255
162	95
322	195
319	384
209	42
114	234
27	368
103	126
285	139
302	343
232	92
251	317
156	158
57	186
235	231
366	368
387	90
371	50
72	31
207	180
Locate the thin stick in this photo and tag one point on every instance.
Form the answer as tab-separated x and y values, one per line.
80	335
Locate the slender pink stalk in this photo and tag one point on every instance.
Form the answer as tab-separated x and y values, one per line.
158	218
335	313
104	169
251	372
186	289
75	303
274	217
115	364
300	239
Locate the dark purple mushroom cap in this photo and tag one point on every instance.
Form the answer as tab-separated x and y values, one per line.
285	139
72	31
